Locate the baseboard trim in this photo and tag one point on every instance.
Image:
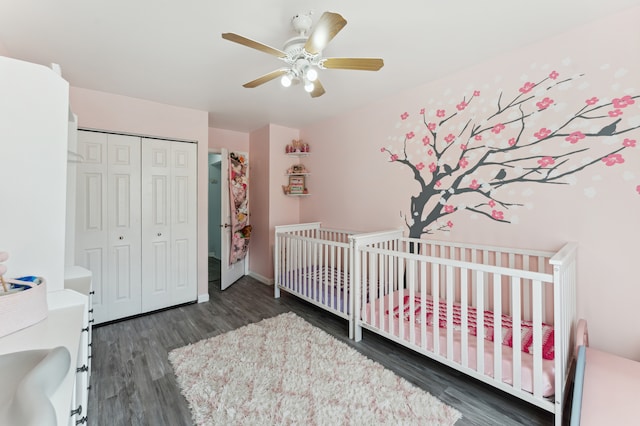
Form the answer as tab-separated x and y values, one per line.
262	279
203	298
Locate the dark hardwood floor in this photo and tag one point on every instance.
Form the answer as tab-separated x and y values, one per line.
132	382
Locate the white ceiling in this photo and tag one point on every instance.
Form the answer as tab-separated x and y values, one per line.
171	51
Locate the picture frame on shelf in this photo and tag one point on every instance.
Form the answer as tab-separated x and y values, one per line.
296	185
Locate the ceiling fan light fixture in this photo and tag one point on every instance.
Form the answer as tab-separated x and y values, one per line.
311	74
309	86
286	80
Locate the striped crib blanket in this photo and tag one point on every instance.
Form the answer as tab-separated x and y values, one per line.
526	327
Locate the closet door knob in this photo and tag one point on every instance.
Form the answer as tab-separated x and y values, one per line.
121	237
159	234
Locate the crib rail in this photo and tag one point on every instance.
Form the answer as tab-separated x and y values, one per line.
488	291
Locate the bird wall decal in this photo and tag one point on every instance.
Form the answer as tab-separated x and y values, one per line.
501	174
609	129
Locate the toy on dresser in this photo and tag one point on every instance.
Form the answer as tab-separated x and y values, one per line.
23	300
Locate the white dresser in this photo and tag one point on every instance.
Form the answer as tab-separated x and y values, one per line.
66	325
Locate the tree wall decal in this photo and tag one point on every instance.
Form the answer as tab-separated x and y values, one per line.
465	160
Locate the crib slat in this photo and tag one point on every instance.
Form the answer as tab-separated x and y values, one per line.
497	327
517	333
332	291
374	284
373	277
304	256
526	288
388	290
480	322
450	326
537	338
344	279
423	305
293	264
411	279
435	294
401	292
543	299
464	320
474	280
324	264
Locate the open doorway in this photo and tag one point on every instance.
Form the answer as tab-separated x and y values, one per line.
222	271
215	221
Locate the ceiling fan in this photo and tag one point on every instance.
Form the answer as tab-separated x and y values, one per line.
302	54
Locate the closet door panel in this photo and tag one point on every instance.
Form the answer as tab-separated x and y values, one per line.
181	266
160	278
156	236
91	223
124	223
184	221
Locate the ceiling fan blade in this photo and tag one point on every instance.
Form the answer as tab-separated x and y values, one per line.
254	44
318	90
364	64
265	78
325	30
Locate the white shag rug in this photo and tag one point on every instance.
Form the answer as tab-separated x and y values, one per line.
283	370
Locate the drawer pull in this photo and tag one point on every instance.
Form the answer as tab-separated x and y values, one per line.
82	369
76	411
85	329
82	420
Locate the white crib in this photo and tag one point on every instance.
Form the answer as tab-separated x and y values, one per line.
315	264
503	316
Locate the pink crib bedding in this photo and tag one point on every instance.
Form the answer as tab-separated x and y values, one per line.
506	323
371	316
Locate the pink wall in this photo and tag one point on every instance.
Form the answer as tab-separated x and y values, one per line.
283	209
105	111
259	202
268	205
232	140
357	186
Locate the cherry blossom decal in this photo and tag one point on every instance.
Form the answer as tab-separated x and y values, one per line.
462	155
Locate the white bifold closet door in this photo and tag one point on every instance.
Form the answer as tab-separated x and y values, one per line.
108	222
169	226
136	222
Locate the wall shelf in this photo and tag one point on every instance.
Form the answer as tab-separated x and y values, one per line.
297	177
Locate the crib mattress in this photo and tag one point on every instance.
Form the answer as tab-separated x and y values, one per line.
323	284
392	326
